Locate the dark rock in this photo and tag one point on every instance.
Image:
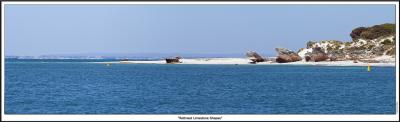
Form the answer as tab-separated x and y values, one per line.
295	57
308	58
173	60
254	57
286	55
283	59
356	33
319	57
316	55
373	32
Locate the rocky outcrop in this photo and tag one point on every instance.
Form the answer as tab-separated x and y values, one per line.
373	32
368	43
254	57
336	56
316	55
286	55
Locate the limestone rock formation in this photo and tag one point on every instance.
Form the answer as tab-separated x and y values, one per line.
316	55
367	43
286	55
254	57
373	32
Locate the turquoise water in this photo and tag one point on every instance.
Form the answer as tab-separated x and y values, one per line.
82	87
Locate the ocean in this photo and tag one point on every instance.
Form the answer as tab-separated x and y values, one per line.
84	87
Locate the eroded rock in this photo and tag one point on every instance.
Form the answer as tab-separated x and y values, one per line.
316	55
286	55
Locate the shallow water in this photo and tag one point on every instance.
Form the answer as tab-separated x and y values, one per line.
81	87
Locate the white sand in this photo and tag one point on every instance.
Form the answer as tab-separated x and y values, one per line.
216	61
246	61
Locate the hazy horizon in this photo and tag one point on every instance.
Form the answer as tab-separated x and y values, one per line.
35	30
140	55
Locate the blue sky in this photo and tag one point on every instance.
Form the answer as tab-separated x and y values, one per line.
224	29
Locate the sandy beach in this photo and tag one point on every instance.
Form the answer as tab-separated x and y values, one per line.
245	61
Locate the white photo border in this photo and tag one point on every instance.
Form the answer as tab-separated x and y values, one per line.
176	117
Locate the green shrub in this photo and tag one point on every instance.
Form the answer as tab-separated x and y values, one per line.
370	47
347	44
361	48
374	31
386	42
337	47
390	27
329	48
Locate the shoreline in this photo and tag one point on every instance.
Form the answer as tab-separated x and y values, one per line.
245	61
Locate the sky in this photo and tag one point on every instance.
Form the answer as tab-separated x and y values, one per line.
34	30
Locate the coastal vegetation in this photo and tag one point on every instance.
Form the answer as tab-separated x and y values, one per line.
373	32
367	43
374	44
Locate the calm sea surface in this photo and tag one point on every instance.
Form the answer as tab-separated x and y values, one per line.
84	87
